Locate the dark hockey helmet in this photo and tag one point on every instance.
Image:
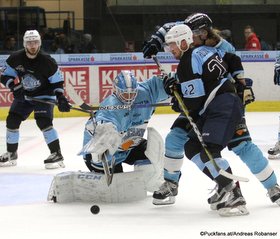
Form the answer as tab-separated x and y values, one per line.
198	21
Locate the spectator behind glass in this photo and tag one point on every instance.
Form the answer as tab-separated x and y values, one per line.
62	44
87	45
252	41
9	45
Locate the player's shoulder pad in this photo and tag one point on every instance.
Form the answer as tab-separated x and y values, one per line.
48	61
15	57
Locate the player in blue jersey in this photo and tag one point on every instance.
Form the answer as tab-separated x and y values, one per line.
30	72
128	125
118	133
241	144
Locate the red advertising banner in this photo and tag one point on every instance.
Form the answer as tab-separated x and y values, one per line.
6	97
108	73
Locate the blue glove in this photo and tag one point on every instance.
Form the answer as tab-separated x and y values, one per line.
277	74
151	47
62	103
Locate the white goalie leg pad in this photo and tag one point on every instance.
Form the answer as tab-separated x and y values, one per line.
153	173
92	187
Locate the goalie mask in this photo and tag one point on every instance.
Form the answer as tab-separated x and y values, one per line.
32	43
125	85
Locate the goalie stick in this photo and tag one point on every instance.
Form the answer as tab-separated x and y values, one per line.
78	101
197	132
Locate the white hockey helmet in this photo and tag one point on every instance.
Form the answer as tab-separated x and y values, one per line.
31	35
177	34
126	87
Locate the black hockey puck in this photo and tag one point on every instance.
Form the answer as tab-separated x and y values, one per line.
95	209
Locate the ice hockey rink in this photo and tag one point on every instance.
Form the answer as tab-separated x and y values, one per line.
26	214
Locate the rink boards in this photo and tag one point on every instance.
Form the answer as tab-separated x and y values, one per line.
91	75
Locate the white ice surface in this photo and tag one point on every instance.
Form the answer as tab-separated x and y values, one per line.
25	213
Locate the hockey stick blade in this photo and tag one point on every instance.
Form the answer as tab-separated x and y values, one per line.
55	103
197	132
232	176
76	98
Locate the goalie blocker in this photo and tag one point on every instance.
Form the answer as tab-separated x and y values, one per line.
128	186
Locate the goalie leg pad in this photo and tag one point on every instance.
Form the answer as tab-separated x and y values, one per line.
152	178
92	187
153	173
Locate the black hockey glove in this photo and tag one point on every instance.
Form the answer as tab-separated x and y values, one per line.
175	105
170	83
62	103
277	74
245	92
151	47
17	89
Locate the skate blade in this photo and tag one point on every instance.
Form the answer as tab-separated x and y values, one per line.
166	201
240	210
213	206
277	202
55	165
9	163
273	156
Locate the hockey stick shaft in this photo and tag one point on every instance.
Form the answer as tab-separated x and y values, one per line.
78	101
54	103
197	132
107	172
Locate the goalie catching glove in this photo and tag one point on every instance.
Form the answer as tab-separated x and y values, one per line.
105	137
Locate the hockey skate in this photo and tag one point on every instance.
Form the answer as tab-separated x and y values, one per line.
274	153
220	195
234	205
55	160
166	193
8	159
274	194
